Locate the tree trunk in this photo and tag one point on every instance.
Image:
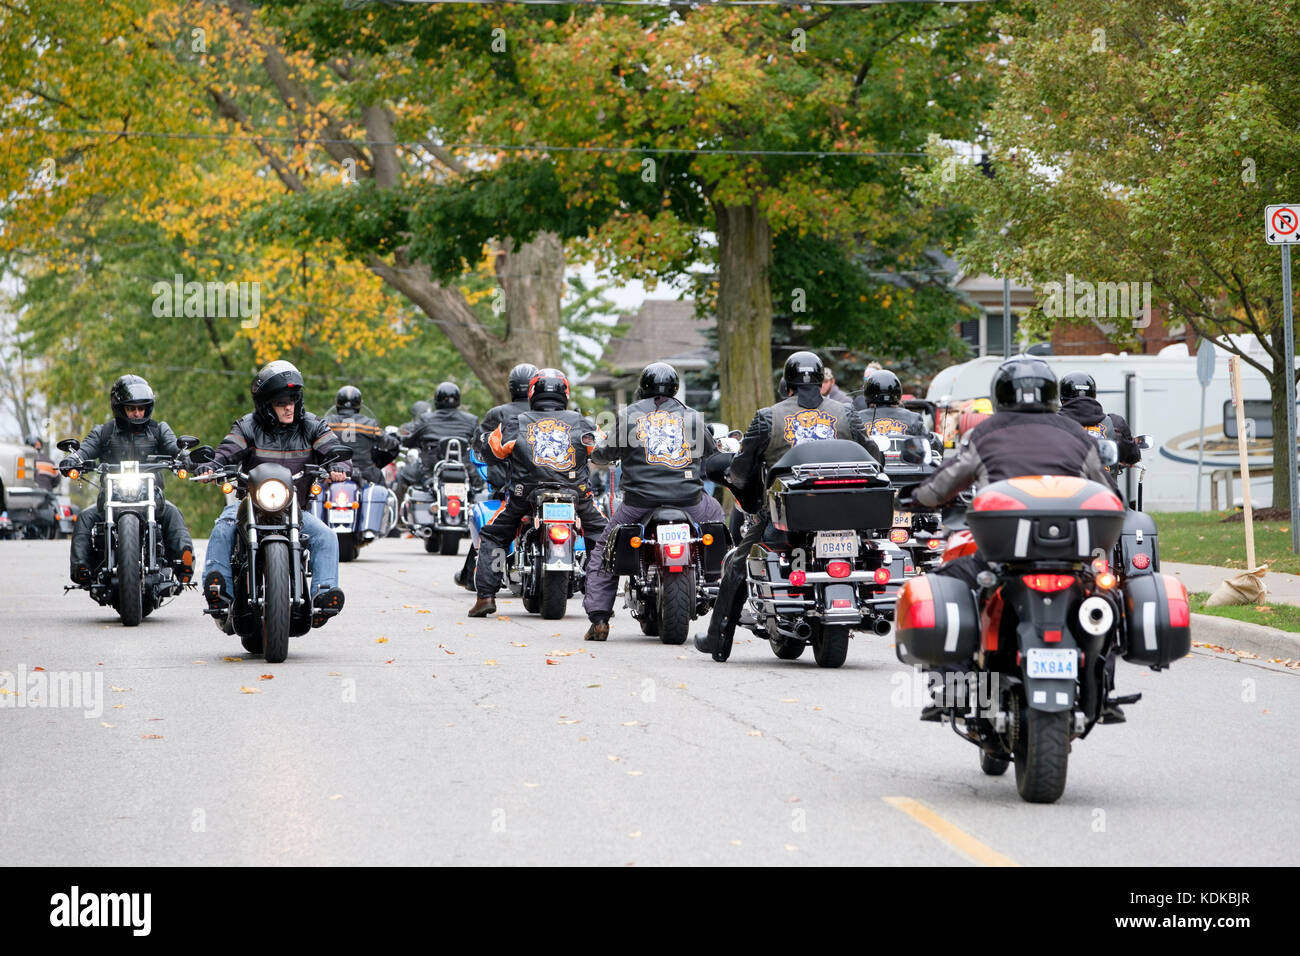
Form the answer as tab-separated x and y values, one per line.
531	277
1281	483
744	312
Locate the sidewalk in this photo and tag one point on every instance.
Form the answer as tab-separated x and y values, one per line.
1282	588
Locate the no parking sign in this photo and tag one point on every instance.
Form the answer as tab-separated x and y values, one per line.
1282	225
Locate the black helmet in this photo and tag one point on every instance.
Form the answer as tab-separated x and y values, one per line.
803	368
130	390
420	408
658	378
35	442
1078	385
348	399
276	379
548	383
520	376
1024	384
881	387
447	395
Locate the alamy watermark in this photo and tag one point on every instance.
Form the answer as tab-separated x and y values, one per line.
65	690
1079	299
208	300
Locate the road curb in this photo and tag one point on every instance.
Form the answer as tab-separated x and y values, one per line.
1257	638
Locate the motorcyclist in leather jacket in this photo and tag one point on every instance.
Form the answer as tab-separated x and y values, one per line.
1079	402
281	431
881	406
131	435
805	416
372	448
662	444
546	445
432	431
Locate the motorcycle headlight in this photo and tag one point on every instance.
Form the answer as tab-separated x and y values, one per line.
128	488
271	495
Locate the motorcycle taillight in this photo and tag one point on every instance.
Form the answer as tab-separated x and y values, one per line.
1048	583
558	533
675	550
453	506
839	569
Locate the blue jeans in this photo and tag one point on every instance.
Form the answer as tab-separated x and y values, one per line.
323	542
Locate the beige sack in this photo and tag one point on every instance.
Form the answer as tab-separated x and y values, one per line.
1245	588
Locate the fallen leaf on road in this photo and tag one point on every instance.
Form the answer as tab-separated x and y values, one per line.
118	706
791	847
42	668
549	661
490	663
337	796
5	691
756	733
333	674
630	723
532	785
613	756
199	662
248	690
105	724
151	737
517	644
564	653
447	650
568	721
390	660
155	718
267	677
589	686
423	610
789	700
634	834
502	617
816	708
119	690
635	773
233	660
381	640
429	628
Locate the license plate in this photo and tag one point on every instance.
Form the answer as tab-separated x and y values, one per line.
1052	662
902	519
341	518
557	511
454	491
673	534
836	544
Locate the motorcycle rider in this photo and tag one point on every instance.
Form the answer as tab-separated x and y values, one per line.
47	473
130	435
548	444
667	472
1079	402
372	448
831	390
446	421
881	406
771	434
497	470
280	431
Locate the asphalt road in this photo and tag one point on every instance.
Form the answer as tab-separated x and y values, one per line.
405	733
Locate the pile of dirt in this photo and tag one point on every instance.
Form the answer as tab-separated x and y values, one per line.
1261	514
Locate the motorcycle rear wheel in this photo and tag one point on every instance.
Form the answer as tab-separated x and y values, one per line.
347	547
129	602
676	601
830	645
553	595
432	543
1042	755
275	601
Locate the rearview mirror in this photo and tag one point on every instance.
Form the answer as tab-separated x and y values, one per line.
187	441
1108	450
915	451
1145	442
342	453
202	454
68	445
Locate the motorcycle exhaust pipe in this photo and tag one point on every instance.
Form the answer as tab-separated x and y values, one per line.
1096	616
881	626
803	630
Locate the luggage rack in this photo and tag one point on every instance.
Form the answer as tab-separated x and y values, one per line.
837	469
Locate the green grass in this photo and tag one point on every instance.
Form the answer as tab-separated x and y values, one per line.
1205	538
1283	616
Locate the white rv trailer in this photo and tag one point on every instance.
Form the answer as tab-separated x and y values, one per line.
1160	396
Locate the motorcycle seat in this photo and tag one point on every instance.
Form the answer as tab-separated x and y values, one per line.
831	450
669	514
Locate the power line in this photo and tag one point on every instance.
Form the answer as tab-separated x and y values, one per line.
696	4
503	147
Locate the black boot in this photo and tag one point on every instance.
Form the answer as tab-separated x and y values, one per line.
598	631
325	605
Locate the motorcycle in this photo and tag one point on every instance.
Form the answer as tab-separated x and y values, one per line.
437	509
909	460
480	513
269	563
134	577
549	554
1028	664
673	567
821	573
356	513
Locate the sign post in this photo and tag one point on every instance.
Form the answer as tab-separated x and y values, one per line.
1204	374
1006	319
1248	515
1282	228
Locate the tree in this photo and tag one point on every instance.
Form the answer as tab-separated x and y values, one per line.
1139	141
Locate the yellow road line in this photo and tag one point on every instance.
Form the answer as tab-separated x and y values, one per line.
958	839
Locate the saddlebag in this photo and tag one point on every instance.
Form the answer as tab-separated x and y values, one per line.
620	557
936	621
1053	518
1139	544
1159	623
712	555
421	503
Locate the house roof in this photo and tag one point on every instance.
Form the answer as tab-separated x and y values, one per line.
662	330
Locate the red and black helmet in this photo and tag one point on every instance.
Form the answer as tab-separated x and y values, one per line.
548	383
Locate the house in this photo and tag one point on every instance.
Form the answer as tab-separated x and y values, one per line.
662	330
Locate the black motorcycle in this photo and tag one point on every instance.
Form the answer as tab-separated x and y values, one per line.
549	557
437	507
269	563
133	576
673	566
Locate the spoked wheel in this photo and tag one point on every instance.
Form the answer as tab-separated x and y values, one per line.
993	766
129	604
787	648
1042	755
676	601
275	601
830	645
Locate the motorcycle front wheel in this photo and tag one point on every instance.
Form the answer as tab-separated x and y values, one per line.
128	570
275	601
